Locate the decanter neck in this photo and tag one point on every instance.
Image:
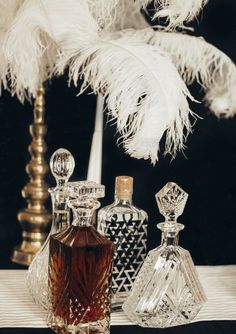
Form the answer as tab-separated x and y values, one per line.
123	201
60	210
170	232
167	240
82	217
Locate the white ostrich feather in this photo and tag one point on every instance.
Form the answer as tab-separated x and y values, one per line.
175	11
143	92
116	15
41	30
198	60
7	13
103	11
128	15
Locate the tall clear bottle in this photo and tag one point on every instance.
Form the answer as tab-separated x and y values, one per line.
126	226
80	267
167	291
62	166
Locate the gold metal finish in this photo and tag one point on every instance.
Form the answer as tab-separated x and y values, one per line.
35	218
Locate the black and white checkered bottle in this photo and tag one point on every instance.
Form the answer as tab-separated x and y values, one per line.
126	226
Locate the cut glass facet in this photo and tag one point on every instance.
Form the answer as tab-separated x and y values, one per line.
62	166
167	291
126	226
80	266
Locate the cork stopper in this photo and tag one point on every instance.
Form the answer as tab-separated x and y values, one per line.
124	187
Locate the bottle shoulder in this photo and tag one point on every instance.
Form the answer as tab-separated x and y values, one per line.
169	253
117	209
79	237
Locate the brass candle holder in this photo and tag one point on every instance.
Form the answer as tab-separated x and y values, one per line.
34	219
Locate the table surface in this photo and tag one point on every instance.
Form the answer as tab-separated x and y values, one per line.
18	313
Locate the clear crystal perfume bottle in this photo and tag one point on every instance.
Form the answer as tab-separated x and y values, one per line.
62	166
126	226
167	291
80	267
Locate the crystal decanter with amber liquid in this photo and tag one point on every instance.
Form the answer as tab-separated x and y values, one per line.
126	226
80	267
167	291
62	166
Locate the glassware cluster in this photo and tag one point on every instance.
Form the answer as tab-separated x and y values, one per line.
83	272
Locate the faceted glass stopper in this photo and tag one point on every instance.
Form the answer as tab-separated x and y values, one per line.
62	165
85	189
171	200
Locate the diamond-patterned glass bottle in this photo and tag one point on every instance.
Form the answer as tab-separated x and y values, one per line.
126	226
62	166
167	291
80	267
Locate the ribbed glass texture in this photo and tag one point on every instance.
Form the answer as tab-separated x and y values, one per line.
167	291
37	276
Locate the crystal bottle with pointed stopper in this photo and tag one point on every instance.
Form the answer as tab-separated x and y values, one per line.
62	166
126	226
80	267
167	291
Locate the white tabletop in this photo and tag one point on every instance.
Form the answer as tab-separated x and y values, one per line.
18	310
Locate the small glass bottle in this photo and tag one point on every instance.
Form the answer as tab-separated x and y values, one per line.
126	226
62	166
80	267
167	291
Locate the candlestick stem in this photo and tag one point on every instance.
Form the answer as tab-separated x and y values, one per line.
35	218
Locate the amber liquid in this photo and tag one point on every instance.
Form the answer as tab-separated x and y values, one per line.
80	267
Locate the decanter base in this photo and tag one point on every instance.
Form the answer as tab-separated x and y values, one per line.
96	327
162	319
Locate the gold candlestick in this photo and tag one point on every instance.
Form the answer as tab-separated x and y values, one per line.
35	218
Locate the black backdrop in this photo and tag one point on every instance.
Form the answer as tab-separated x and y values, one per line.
207	171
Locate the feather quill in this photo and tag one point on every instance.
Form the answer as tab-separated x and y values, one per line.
175	11
143	92
40	32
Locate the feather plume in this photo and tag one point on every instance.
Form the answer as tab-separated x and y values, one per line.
115	15
198	60
7	13
143	92
175	11
127	16
41	30
103	11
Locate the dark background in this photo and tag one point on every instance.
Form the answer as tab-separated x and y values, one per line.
207	170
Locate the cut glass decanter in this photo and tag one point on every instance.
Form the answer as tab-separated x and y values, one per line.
62	166
80	267
126	226
167	291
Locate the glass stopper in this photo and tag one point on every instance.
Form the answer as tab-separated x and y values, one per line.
62	165
89	189
171	200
